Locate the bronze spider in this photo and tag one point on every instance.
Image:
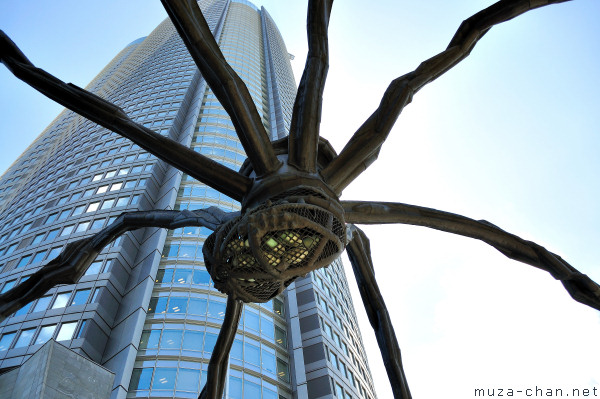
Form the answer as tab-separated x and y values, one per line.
292	220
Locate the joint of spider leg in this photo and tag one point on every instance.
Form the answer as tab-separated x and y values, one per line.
291	223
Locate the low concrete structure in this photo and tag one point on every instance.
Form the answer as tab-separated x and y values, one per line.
56	372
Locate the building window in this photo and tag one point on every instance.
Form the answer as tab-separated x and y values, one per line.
283	370
25	338
8	285
80	297
164	378
6	341
24	260
66	331
42	303
61	300
280	337
45	334
140	379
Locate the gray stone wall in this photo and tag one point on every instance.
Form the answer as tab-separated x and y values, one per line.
56	372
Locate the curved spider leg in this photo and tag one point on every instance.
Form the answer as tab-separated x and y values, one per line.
71	264
218	364
359	253
364	146
306	116
114	118
224	82
578	285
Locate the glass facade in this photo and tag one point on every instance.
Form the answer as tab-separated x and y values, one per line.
146	309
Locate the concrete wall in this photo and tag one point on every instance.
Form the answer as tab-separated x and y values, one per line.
56	372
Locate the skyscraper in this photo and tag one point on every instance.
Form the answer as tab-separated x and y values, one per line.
146	309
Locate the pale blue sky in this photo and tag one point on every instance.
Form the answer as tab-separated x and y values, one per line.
511	135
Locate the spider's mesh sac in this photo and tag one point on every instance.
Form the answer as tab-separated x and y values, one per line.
256	256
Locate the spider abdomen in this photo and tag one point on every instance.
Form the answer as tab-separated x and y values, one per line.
255	256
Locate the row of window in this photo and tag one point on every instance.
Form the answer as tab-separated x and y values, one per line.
340	365
48	236
91	167
96	267
243	349
182	276
37	336
157	101
339	391
228	131
75	196
211	139
349	315
197	306
192	380
202	191
74	228
60	300
221	152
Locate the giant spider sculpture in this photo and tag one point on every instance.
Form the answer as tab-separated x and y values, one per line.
292	220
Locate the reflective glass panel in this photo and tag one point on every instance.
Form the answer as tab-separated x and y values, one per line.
80	297
171	339
6	340
268	362
42	303
210	340
188	380
280	337
251	390
266	327
268	394
140	379
251	354
216	309
150	339
197	306
182	276
61	300
25	338
157	305
235	387
164	378
164	276
23	310
66	331
94	268
251	320
237	350
201	277
177	305
283	370
192	340
45	334
187	251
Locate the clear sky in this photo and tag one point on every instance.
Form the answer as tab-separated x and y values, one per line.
511	135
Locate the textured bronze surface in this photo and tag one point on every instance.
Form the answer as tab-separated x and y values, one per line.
359	253
291	221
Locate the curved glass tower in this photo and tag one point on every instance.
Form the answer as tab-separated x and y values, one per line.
146	309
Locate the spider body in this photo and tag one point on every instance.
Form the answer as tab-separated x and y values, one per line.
292	220
291	223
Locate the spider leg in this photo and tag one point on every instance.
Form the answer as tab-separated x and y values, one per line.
218	365
364	146
73	262
359	253
224	82
306	115
580	286
114	118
